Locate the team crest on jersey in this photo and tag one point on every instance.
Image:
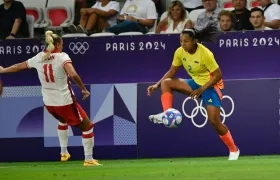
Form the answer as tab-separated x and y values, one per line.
184	59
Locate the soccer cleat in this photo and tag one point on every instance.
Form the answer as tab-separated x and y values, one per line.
92	163
65	157
234	155
157	119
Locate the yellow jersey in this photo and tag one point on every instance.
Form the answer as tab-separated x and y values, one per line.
199	65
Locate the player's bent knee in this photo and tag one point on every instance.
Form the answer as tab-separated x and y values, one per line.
88	134
85	125
88	131
166	82
62	126
88	126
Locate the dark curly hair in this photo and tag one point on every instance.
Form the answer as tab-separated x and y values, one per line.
204	34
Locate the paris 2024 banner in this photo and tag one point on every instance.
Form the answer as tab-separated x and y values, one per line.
115	70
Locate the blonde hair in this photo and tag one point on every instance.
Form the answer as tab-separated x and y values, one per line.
181	6
51	40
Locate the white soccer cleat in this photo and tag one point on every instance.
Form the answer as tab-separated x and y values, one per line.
233	156
157	119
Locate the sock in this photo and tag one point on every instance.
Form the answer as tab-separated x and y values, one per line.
166	100
88	143
62	131
227	138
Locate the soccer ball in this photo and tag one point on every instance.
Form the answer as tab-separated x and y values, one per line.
172	118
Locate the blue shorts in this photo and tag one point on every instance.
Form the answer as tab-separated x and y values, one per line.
209	96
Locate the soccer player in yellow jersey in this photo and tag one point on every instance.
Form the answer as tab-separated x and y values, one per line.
206	82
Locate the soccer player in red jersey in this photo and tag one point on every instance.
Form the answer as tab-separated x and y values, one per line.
54	68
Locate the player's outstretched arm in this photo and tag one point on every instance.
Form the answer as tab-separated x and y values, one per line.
14	68
76	78
74	75
216	77
169	74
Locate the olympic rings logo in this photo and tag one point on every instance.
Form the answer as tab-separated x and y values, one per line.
79	48
202	110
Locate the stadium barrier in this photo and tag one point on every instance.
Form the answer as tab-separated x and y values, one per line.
114	69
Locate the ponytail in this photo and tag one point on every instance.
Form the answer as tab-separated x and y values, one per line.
204	34
51	39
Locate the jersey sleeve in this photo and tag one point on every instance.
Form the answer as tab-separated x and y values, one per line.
64	59
32	62
210	62
177	58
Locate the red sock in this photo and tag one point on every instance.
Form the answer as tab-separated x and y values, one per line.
166	100
227	138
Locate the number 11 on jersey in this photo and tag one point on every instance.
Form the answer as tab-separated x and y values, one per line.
48	71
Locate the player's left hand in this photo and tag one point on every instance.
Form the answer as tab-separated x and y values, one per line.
85	94
196	93
1	68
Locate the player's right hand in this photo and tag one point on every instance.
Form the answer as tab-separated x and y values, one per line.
85	94
151	89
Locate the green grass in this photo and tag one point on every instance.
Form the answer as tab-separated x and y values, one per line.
247	168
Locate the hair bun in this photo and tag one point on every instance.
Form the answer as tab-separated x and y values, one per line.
48	33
